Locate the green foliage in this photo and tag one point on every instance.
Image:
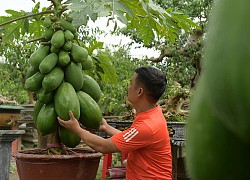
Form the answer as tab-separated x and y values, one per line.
30	25
148	19
15	56
113	101
197	10
10	86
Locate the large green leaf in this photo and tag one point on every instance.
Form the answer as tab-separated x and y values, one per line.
147	18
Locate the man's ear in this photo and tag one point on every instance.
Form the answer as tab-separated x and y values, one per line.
140	92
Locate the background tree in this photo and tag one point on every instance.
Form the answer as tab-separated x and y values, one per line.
150	21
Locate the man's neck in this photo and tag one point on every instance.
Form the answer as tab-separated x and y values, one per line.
144	108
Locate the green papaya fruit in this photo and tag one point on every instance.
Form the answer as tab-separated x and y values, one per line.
218	128
58	39
37	108
67	26
78	53
34	83
47	22
68	35
88	64
53	49
68	138
37	57
63	58
48	63
46	121
213	151
90	113
73	75
66	99
76	36
45	97
228	80
53	79
67	46
30	72
91	87
48	33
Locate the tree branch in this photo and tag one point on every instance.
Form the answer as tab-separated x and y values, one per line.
164	53
23	17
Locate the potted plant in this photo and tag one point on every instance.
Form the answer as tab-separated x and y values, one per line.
52	75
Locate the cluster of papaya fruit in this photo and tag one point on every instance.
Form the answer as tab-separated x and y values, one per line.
56	75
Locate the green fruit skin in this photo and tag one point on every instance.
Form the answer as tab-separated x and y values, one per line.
53	49
37	57
36	110
34	83
48	63
91	87
45	97
68	138
46	121
78	53
212	150
67	46
88	64
66	99
90	113
63	58
47	22
53	79
67	26
68	35
227	65
58	39
48	33
218	131
74	75
30	72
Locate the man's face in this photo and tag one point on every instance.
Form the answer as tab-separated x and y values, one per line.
132	90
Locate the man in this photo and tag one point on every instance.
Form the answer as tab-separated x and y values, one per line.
147	141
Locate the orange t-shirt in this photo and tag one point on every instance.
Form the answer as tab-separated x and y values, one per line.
147	143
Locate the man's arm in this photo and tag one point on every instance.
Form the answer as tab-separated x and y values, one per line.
110	130
95	142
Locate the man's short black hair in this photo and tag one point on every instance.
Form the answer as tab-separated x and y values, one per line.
153	80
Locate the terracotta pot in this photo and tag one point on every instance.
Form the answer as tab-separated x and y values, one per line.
35	164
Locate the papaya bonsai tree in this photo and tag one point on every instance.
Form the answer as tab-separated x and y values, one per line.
56	69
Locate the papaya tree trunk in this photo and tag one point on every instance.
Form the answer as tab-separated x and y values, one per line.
31	98
54	144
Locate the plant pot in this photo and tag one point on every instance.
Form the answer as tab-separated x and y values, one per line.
9	115
35	164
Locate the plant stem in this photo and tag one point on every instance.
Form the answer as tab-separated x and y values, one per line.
36	39
23	17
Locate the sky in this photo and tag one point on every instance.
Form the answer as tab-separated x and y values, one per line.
27	5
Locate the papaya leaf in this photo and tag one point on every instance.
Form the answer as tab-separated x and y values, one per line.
12	31
81	10
109	72
12	12
26	25
36	8
94	45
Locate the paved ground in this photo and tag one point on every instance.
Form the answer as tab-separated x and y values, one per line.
13	171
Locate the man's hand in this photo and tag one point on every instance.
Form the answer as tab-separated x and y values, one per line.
103	126
72	124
